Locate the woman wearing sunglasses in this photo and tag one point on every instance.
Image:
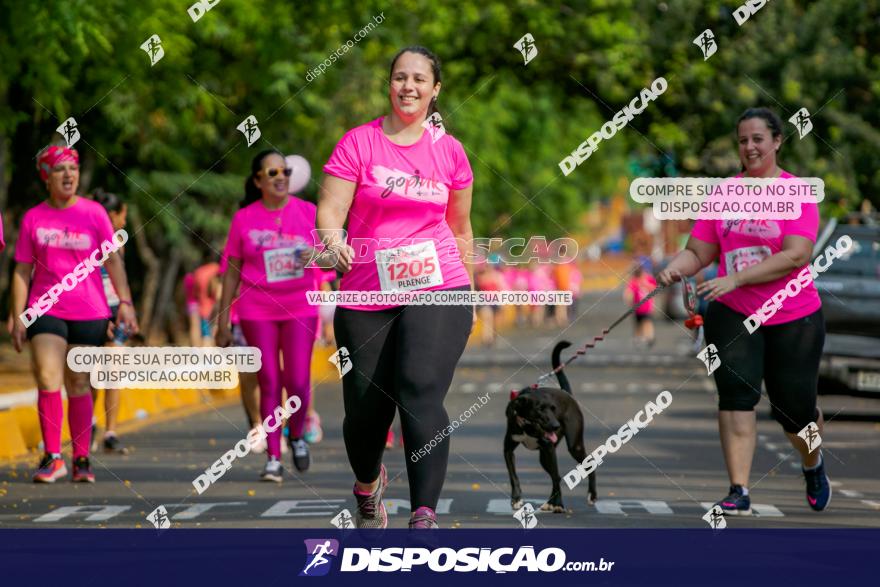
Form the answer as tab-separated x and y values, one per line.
267	249
756	259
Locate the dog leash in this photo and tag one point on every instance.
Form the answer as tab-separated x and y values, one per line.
694	320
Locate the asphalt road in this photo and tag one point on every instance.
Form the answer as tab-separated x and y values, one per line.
664	477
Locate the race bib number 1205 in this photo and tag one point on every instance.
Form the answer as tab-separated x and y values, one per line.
409	268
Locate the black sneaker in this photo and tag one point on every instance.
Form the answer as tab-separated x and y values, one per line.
818	487
273	471
82	471
736	504
301	459
112	444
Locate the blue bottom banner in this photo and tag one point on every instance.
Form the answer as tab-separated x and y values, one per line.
269	557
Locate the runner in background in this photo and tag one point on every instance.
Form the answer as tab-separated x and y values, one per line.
194	321
206	293
576	280
301	173
757	258
56	236
487	277
268	245
640	284
247	382
116	335
539	280
562	279
393	182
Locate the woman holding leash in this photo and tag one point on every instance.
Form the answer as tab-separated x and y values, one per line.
392	180
756	259
57	236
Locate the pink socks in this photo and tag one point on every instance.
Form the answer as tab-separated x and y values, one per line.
51	411
79	418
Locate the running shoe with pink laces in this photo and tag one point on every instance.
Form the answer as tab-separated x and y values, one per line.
370	509
50	469
423	518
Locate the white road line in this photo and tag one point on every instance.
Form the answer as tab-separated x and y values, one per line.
849	493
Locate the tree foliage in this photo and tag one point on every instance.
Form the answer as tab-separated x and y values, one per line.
165	136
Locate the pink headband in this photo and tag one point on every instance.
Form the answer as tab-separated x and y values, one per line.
52	156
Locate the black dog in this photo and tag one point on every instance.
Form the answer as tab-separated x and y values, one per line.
539	419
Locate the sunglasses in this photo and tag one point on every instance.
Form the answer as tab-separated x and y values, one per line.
274	171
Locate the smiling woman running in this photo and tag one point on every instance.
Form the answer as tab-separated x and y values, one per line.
396	185
756	259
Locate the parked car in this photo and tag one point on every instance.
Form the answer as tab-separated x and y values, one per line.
850	292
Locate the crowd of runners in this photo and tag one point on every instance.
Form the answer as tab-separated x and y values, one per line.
252	293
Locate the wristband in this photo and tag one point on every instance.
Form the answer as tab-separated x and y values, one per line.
126	302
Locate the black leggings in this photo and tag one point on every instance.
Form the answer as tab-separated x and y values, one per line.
786	356
404	357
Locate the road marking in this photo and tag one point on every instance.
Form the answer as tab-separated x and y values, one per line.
616	506
849	493
393	505
468	387
283	508
93	513
317	507
758	509
873	504
197	509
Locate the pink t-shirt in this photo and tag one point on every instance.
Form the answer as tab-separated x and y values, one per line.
401	198
2	242
55	241
640	287
747	242
270	243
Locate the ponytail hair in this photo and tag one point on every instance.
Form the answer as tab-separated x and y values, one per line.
435	68
251	192
110	201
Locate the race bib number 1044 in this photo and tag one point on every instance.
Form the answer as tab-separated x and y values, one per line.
283	264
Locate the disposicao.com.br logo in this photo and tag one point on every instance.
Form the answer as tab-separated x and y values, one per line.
318	553
442	560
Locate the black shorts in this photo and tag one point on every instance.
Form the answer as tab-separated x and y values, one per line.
85	332
641	317
784	356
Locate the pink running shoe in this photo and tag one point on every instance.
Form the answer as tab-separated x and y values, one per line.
51	469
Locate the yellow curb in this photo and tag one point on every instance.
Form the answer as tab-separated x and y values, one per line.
131	425
11	441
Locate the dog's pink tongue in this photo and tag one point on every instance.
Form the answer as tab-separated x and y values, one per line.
551	436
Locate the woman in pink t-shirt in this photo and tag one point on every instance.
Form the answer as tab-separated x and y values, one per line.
267	248
406	195
58	302
756	259
640	285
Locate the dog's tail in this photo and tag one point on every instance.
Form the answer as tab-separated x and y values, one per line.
555	361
